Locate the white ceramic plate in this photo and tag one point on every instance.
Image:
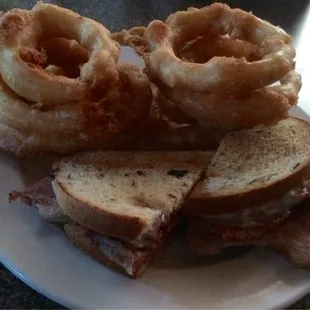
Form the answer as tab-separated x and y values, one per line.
40	255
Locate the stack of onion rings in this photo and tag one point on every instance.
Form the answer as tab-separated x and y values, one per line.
213	70
73	126
218	66
44	111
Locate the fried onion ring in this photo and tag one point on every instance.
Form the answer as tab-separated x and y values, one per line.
264	106
203	49
74	126
22	61
219	74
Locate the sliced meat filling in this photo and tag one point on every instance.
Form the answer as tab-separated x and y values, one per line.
291	239
255	221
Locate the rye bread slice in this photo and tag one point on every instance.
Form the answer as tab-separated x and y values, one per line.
252	167
126	195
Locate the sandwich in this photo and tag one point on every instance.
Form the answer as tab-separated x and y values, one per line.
118	207
256	192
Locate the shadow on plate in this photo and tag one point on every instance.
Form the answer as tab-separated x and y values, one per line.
179	256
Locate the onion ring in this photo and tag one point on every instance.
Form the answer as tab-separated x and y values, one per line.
204	48
75	126
219	74
264	106
21	34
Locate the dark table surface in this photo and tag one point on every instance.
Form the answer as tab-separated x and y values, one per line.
118	14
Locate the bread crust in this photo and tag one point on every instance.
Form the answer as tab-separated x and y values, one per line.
200	203
99	220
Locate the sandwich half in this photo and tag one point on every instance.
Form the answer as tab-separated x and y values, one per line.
255	192
118	207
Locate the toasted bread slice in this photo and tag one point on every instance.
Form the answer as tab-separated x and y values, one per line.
126	195
253	166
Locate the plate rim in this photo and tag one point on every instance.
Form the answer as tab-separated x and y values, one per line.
27	279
